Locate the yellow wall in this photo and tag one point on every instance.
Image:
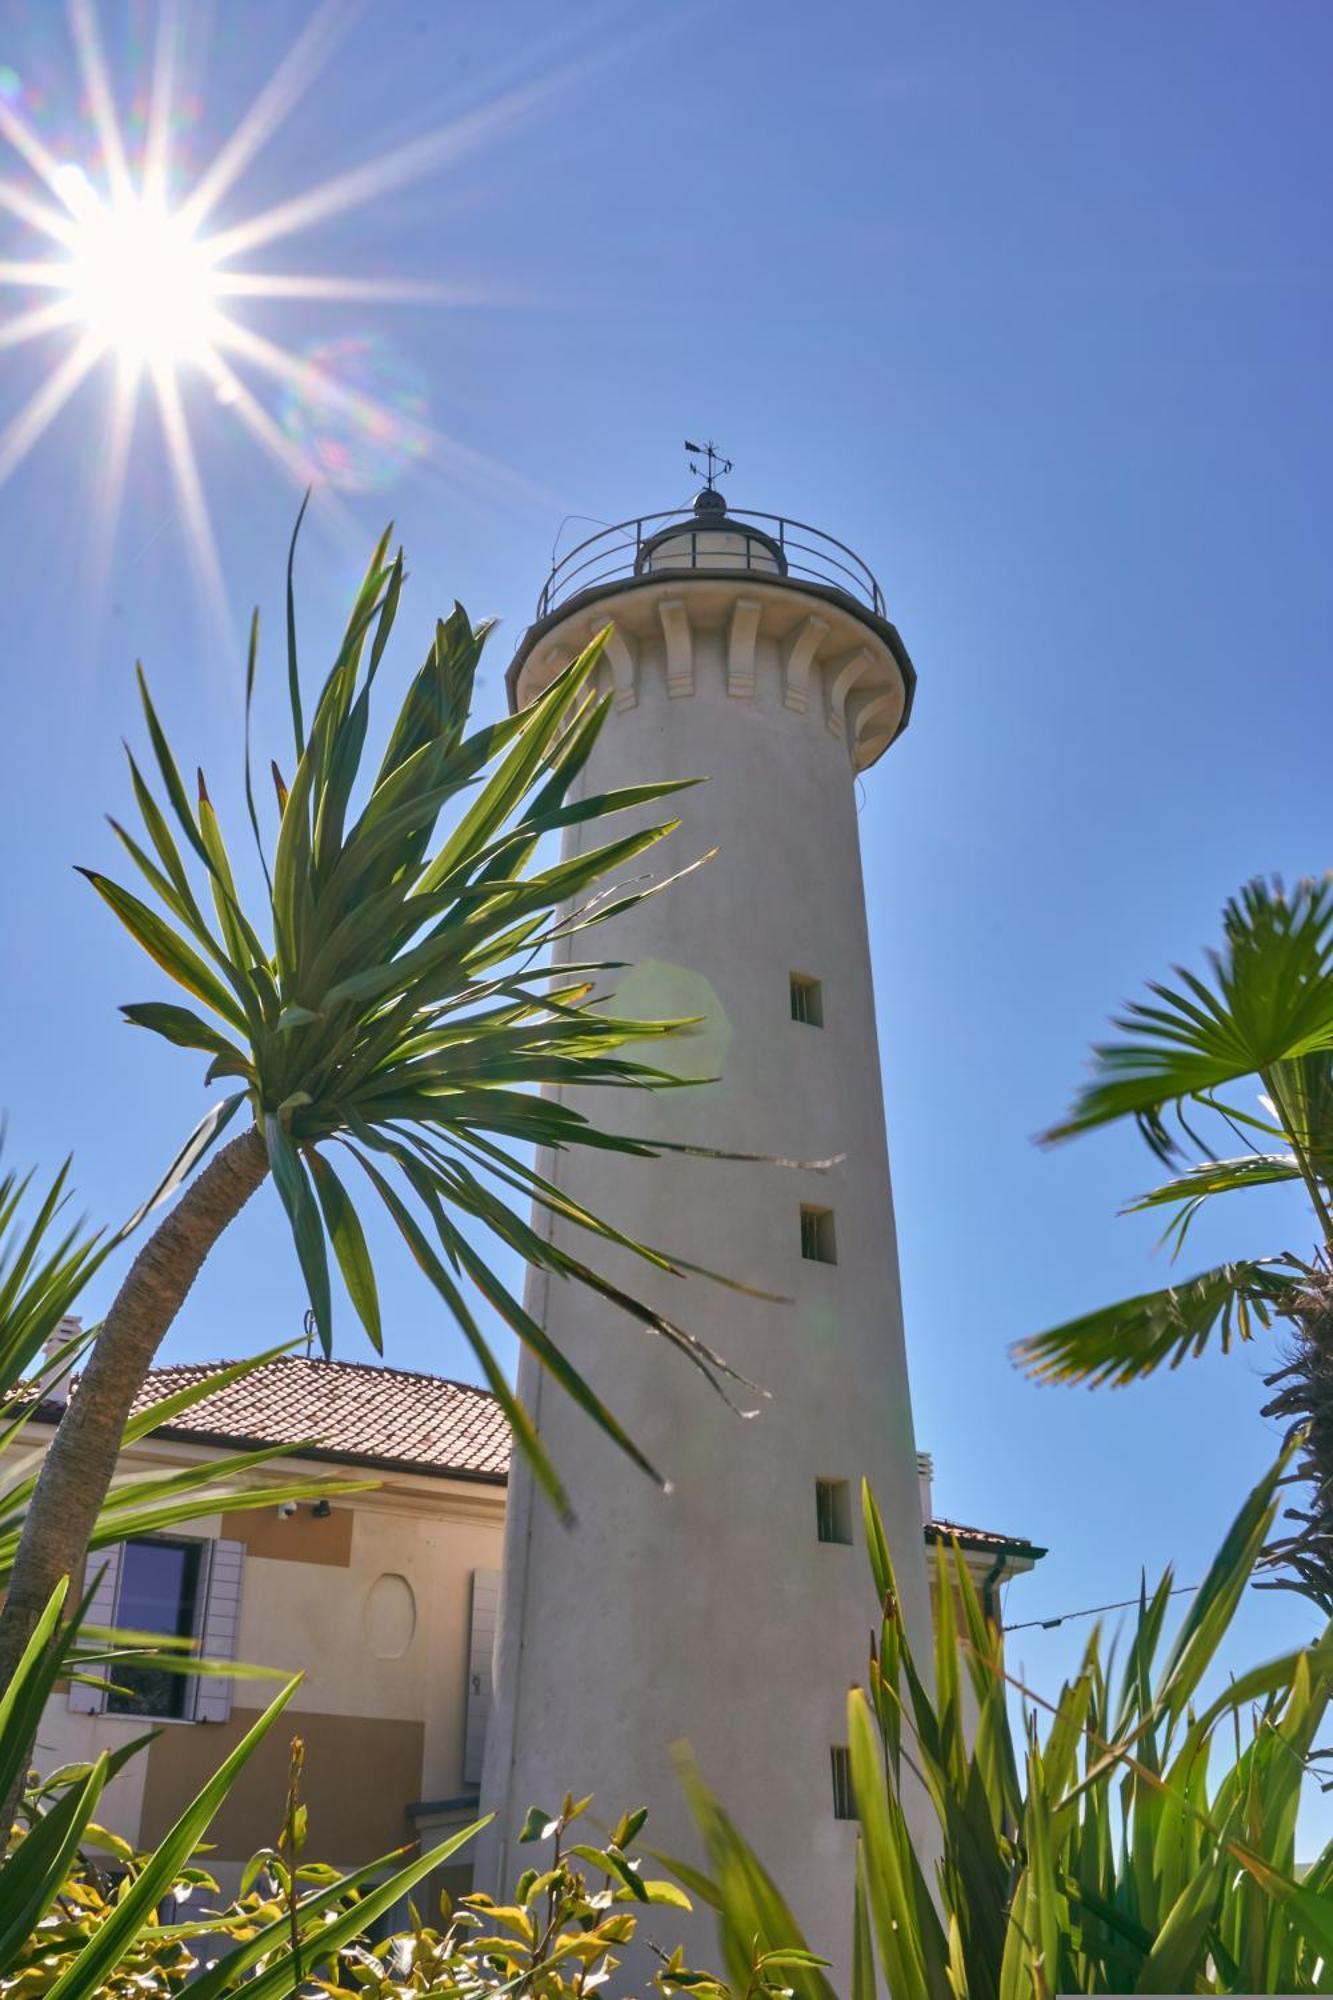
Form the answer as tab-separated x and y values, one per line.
373	1607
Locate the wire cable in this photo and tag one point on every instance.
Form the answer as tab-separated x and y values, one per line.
1121	1604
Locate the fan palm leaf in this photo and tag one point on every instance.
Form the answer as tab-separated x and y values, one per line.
1263	1014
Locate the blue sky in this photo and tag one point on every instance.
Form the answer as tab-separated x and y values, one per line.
1031	306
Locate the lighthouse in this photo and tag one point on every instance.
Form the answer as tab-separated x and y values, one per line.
732	1613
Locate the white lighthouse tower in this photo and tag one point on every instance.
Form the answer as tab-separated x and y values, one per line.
732	1613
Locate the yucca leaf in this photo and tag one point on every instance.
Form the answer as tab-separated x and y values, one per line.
32	1877
293	669
429	1264
205	1134
166	948
292	1183
166	763
349	1245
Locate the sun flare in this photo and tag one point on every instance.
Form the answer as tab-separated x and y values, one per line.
122	256
141	284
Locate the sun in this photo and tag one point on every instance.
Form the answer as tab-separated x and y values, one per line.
121	257
139	281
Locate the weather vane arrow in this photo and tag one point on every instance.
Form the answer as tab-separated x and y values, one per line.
716	462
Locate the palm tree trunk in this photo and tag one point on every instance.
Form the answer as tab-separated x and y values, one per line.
82	1458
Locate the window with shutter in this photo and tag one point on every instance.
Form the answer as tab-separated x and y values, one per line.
187	1588
220	1627
159	1593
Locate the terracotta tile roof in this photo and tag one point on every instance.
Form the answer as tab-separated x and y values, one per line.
350	1410
939	1530
359	1412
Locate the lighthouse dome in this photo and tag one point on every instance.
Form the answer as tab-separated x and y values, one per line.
709	538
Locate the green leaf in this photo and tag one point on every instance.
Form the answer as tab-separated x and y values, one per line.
349	1245
1124	1342
1270	1001
289	1177
109	1942
35	1874
276	1981
166	948
293	670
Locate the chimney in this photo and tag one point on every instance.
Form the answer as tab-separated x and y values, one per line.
51	1382
925	1476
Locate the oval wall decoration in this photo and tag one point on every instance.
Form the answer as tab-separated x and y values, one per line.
389	1616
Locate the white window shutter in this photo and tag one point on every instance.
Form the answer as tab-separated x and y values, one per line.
485	1609
83	1699
219	1625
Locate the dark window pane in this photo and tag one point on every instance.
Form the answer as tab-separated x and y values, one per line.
844	1799
159	1592
807	1000
833	1510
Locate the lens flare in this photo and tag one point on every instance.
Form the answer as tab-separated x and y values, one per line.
357	412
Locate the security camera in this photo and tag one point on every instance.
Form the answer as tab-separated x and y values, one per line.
286	1508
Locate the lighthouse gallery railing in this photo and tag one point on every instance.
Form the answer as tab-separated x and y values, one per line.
626	549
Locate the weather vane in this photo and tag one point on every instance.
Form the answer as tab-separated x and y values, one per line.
716	462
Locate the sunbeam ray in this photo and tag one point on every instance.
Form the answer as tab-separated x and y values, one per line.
45	404
272	439
51	221
288	83
189	487
36	277
28	326
390	291
161	98
389	170
97	83
111	477
303	375
26	143
445	450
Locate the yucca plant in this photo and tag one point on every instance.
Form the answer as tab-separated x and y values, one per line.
404	999
1178	1066
1136	1834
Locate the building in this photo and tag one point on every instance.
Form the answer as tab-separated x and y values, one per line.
385	1600
756	653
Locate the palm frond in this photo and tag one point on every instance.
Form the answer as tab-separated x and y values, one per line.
1187	1193
1124	1342
1268	1000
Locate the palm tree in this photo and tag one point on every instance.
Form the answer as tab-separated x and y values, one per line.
1262	1016
404	1000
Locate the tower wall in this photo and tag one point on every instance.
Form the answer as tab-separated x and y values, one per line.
713	1615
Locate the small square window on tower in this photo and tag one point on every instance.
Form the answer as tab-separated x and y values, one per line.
818	1244
844	1800
807	1000
833	1510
